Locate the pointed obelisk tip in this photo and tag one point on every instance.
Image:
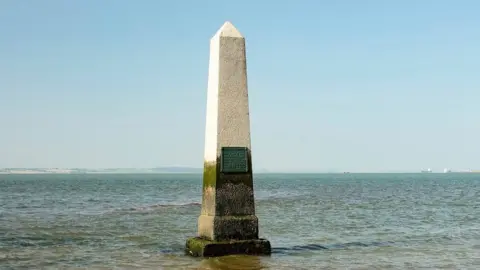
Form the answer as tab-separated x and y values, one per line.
228	30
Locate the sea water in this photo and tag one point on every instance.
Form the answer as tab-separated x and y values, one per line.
314	221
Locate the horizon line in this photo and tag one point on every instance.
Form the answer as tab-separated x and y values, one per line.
189	170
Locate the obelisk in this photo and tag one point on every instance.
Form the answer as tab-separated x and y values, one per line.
227	223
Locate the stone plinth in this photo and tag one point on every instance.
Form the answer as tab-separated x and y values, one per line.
200	247
227	223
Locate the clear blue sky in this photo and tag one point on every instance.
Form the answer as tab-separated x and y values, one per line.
334	85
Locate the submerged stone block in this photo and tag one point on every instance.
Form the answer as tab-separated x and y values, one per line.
199	247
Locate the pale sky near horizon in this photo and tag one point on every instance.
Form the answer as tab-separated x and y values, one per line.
333	85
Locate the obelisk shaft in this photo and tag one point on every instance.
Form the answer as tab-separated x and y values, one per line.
228	209
227	223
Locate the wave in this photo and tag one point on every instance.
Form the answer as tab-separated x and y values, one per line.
163	205
299	248
259	196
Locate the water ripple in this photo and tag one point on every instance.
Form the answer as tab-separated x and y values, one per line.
382	221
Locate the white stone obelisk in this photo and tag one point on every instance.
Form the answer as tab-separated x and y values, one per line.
227	221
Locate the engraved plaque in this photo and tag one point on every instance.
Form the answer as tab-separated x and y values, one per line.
234	160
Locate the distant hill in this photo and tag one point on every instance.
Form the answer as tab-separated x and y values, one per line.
169	169
177	170
105	170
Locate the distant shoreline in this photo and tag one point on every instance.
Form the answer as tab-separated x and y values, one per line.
200	172
81	173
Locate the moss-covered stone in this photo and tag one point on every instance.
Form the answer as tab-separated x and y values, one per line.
209	174
199	247
213	177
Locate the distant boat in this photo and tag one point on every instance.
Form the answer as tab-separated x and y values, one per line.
446	170
427	171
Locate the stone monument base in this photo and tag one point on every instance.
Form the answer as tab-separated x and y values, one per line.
199	247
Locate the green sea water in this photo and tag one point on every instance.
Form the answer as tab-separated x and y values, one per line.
314	221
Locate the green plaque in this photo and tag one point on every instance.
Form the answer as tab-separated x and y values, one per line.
234	160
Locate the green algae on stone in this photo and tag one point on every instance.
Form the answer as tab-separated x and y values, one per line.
209	174
195	246
200	247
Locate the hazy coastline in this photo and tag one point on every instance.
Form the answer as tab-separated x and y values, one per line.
184	170
99	171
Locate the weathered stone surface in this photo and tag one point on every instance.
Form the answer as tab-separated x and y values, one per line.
222	228
227	125
228	206
199	247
